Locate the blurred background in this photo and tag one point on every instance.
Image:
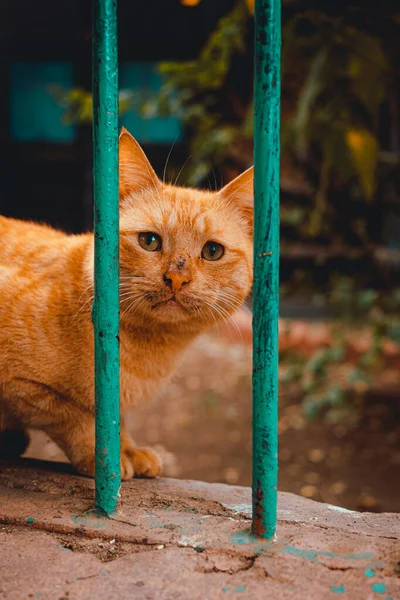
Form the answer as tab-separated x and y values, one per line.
186	94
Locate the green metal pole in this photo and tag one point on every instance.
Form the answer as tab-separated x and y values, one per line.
266	265
106	253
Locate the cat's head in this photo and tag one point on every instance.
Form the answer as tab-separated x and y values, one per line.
185	254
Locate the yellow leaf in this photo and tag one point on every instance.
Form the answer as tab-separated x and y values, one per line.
364	150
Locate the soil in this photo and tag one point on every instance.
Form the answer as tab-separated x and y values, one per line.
201	425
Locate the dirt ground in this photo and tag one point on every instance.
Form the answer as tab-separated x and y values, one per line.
201	425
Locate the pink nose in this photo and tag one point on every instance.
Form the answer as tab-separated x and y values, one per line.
175	278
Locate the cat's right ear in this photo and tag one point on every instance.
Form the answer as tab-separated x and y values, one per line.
240	192
135	171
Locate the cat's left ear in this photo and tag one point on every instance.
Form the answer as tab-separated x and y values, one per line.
135	171
240	191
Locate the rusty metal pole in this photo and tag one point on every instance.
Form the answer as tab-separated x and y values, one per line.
106	252
266	265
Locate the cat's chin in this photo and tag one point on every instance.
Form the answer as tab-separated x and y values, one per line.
170	311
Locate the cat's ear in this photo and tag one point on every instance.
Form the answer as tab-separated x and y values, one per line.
240	192
135	171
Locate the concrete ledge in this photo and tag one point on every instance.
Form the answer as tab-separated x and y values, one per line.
183	539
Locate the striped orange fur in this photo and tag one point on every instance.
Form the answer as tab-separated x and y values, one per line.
167	297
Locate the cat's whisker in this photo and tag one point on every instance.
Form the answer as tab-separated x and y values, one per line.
168	157
215	179
227	318
134	305
131	297
235	325
85	291
233	305
215	321
213	309
231	300
209	182
181	169
84	306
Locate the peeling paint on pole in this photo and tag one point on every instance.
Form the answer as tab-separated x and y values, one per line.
106	242
266	265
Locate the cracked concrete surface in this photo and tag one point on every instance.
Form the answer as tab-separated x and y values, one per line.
183	540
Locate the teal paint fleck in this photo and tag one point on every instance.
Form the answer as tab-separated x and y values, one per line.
379	588
155	523
388	598
240	589
90	519
361	556
243	537
240	508
369	573
266	265
106	254
337	589
377	565
61	547
312	555
105	572
30	520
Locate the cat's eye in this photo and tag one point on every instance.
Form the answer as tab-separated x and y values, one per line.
212	251
150	241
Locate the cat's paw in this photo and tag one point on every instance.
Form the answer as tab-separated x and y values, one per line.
139	462
85	466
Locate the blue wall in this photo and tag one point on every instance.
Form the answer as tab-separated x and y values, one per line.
36	116
34	113
144	78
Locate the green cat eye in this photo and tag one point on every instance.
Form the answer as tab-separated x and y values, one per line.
150	241
212	251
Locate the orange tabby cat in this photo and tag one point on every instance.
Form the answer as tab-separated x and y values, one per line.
185	263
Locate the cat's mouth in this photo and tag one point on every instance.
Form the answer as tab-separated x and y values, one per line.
173	302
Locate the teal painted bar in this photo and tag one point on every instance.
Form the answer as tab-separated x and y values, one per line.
106	252
266	265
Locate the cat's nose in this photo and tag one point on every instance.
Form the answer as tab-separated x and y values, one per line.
175	279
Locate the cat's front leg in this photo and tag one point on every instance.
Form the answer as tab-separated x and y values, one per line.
137	462
77	439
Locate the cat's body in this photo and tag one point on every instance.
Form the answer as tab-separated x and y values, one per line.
169	294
